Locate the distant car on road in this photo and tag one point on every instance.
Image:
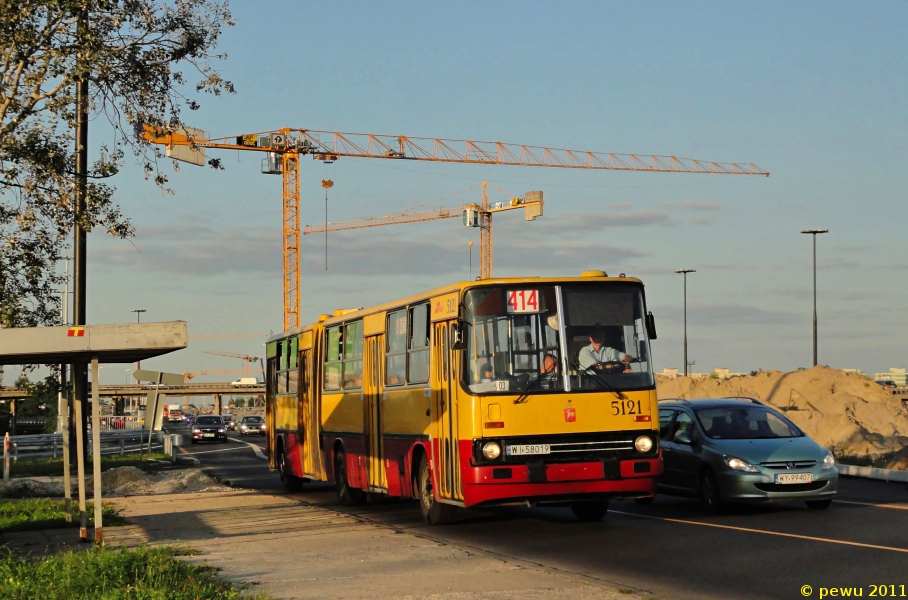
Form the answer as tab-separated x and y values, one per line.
887	384
209	428
740	450
230	421
251	425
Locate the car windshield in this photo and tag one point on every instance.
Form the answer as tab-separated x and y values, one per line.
208	421
517	341
745	423
253	419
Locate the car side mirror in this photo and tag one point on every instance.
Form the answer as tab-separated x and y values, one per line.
695	438
651	325
459	336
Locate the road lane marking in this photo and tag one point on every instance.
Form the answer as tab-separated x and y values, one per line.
255	448
210	451
765	532
895	506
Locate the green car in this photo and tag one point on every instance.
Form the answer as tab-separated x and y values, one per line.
740	450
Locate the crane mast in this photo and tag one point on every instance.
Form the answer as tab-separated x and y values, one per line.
283	148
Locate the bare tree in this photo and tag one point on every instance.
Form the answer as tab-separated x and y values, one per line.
134	53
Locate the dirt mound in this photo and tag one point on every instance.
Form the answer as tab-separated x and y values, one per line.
846	412
130	481
899	461
29	488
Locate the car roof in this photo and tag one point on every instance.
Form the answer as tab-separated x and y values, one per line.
700	403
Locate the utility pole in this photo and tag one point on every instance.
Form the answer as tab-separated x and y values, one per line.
138	312
80	370
685	272
814	233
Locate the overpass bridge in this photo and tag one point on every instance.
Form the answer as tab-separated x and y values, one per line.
134	390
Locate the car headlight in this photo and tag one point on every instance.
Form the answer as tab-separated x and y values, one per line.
242	427
196	431
491	450
828	460
739	465
221	430
643	444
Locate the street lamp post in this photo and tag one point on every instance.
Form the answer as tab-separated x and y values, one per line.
814	233
138	312
685	272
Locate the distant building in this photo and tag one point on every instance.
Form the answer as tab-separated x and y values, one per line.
858	371
670	373
899	376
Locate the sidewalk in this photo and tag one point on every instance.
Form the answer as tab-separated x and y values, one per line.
292	549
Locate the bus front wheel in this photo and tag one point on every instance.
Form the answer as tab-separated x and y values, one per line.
433	511
590	510
349	496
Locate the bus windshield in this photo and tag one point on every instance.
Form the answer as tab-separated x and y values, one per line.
518	342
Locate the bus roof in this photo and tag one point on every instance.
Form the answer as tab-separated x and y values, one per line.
350	315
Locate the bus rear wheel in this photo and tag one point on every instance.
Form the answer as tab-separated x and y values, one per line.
590	510
433	511
349	496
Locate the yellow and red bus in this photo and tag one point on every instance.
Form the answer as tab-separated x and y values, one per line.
478	393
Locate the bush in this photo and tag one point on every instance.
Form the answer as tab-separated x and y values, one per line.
112	574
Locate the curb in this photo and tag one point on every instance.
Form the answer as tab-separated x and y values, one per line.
873	473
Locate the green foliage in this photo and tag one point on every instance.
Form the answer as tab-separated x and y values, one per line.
112	574
132	54
713	375
36	467
240	402
754	373
41	393
46	513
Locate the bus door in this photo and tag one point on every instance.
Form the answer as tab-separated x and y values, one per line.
447	454
372	391
308	438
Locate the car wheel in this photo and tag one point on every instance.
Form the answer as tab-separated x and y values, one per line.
818	504
709	492
433	511
589	510
349	496
291	482
195	441
645	500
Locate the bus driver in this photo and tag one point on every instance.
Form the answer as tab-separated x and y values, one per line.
598	353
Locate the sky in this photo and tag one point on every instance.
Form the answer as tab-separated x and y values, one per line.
811	91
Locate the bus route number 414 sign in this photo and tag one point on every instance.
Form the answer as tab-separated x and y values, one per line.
523	301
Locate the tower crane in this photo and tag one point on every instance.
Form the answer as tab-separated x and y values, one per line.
474	215
284	147
190	375
224	336
244	357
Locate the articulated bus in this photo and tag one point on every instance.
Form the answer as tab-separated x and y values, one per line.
520	390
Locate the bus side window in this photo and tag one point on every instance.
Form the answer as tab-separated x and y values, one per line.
419	344
396	358
353	355
332	358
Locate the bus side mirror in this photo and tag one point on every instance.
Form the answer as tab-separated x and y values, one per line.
459	336
650	326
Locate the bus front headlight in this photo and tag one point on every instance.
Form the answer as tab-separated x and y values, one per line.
491	450
643	444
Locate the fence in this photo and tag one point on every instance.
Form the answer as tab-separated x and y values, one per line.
51	444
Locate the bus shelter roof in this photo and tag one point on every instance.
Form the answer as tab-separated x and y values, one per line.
118	343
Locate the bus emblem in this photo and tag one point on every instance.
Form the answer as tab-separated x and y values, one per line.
570	415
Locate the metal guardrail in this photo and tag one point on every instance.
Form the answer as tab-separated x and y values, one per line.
51	444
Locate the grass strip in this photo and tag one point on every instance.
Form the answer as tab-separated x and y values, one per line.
36	467
47	513
113	574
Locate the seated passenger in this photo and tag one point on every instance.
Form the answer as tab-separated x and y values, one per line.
548	364
597	353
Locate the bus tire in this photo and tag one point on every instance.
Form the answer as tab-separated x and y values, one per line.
589	510
433	511
291	482
349	496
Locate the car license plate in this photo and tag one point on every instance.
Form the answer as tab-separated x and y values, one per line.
207	435
522	449
794	478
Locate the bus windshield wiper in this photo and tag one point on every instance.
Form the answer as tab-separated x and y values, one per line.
603	383
526	393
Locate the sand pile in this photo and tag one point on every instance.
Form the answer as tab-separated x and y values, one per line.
846	412
122	481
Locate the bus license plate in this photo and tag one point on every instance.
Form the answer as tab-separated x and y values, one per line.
794	478
522	449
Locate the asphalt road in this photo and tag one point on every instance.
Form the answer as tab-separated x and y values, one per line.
670	548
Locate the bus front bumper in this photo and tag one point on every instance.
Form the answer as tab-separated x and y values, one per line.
560	482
